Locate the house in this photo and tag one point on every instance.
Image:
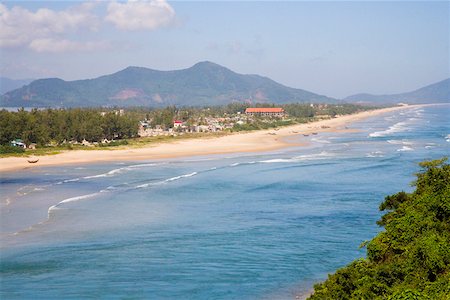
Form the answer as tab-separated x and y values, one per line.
265	111
86	143
177	124
18	143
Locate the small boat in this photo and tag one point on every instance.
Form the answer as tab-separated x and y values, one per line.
314	133
306	135
33	160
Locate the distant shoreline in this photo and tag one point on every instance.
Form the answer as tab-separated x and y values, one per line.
256	141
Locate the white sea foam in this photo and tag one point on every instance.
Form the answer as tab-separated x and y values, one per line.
277	160
242	163
181	176
430	145
316	156
405	148
68	180
72	199
375	154
107	174
447	138
145	185
397	127
322	141
400	142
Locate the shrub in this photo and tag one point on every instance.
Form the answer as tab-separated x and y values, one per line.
10	149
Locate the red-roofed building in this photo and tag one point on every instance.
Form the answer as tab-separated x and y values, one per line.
265	111
177	123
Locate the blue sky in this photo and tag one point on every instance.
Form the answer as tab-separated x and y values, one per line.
332	48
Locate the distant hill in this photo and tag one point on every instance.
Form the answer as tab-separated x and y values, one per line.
8	84
205	83
435	93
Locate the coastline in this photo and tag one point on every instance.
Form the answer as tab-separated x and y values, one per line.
256	141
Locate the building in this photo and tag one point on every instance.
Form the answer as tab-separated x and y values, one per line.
265	111
177	124
18	143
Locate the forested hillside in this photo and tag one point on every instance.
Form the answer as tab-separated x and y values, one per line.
205	83
411	258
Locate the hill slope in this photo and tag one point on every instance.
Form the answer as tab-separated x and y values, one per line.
434	93
205	83
8	84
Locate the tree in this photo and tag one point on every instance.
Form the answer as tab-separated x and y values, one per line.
411	258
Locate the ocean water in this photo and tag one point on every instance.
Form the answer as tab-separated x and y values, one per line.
242	226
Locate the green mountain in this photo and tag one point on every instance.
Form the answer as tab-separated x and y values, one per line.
435	93
205	83
8	84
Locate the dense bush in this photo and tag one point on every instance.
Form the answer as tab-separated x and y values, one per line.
59	125
10	149
411	258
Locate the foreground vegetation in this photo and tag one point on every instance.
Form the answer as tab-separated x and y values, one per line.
411	258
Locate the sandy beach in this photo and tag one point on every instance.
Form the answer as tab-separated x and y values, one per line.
257	141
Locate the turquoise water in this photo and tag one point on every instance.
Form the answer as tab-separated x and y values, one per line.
246	226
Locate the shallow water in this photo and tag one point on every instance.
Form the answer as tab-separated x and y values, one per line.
245	226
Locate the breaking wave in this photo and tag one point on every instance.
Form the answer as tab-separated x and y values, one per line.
166	180
397	127
375	154
400	142
321	155
405	148
109	173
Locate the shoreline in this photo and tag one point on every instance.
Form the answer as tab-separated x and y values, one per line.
255	141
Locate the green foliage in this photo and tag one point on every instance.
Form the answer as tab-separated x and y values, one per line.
411	258
58	125
203	84
10	149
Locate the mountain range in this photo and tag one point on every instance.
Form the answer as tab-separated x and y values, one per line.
434	93
205	83
8	84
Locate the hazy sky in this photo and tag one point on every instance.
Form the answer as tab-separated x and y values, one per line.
332	48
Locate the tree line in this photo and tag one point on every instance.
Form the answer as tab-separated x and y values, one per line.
63	125
297	111
56	126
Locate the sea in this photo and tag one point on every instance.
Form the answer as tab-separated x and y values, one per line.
242	226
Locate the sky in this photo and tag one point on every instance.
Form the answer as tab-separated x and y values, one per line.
333	48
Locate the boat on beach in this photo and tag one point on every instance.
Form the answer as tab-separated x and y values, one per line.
33	160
